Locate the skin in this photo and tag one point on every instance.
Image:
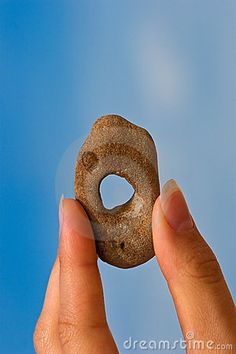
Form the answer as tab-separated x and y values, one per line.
73	318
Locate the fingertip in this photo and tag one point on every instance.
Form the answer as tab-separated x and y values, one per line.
160	233
165	238
175	208
74	218
76	234
156	214
170	212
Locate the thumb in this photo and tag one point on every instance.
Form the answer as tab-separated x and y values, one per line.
202	299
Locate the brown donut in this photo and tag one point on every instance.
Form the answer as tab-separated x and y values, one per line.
115	146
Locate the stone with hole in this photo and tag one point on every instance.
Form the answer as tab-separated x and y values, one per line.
123	234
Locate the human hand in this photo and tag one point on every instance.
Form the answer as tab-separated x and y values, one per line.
73	317
204	306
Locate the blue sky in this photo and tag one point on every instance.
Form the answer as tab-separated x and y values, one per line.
168	66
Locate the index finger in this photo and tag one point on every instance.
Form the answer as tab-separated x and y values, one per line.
81	295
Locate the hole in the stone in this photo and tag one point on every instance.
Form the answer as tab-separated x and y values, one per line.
122	245
115	191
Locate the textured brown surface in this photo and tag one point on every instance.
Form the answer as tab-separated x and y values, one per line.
115	146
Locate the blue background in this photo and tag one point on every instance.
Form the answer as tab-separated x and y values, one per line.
166	65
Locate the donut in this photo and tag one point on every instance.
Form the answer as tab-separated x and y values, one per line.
115	146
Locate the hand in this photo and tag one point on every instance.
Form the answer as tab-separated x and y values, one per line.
202	299
73	317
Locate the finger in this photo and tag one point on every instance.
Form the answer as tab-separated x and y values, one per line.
202	298
82	313
46	338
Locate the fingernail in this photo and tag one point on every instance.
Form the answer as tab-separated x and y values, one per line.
61	214
73	218
175	207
